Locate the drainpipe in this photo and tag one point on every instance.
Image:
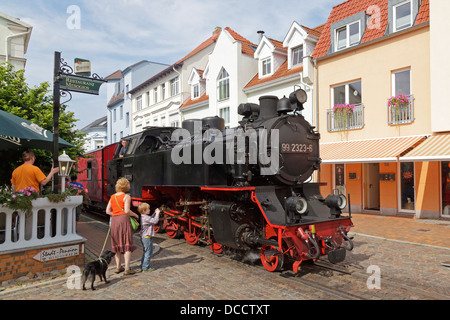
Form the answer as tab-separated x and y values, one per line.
10	37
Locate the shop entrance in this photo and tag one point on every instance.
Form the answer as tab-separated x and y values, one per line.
407	187
446	189
372	186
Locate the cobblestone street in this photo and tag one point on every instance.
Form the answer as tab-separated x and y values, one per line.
407	271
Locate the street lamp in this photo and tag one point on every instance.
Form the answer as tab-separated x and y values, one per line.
65	165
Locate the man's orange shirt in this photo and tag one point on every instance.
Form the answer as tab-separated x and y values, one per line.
27	175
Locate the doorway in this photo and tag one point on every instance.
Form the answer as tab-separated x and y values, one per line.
372	186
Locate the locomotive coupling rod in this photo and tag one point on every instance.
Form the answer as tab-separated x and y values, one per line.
272	243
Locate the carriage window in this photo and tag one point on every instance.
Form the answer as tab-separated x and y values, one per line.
89	170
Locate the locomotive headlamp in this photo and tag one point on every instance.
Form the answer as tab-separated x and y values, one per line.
296	205
338	201
298	96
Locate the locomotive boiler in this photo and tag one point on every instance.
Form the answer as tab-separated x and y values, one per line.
242	189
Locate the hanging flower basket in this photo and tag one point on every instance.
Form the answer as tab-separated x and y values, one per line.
342	112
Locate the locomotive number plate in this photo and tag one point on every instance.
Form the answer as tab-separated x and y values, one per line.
296	148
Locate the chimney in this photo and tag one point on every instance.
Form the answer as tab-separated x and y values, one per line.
261	33
216	30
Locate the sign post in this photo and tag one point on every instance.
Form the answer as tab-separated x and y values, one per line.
64	82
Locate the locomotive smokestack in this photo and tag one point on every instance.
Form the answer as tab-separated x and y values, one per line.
268	107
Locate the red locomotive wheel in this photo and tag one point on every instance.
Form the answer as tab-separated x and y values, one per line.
193	235
271	258
172	228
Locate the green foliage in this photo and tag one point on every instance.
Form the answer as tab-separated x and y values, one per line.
36	105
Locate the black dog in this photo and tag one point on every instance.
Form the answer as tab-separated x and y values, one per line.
97	267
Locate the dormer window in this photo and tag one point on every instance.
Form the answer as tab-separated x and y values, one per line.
403	16
347	36
266	66
195	91
297	56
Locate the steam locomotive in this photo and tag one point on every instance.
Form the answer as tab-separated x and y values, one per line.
243	189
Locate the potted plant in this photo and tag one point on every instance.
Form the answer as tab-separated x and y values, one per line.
342	112
398	104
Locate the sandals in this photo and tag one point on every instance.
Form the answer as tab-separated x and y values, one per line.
119	270
129	271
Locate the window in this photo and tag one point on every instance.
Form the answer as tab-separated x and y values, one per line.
155	95
126	90
121	112
223	85
402	16
174	86
195	91
224	113
348	35
297	55
114	115
401	82
266	65
127	120
445	188
347	93
139	103
163	91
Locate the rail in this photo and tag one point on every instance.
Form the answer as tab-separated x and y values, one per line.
48	224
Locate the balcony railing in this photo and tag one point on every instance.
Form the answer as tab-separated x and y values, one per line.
401	114
48	224
338	122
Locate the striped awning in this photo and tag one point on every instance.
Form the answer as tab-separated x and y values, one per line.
371	150
435	148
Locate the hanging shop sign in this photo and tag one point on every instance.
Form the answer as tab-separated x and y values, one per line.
82	67
80	84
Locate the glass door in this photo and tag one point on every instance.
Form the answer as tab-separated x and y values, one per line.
446	189
339	178
407	188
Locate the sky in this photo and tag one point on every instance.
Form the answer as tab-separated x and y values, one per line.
114	34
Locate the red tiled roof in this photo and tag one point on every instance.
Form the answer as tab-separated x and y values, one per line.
282	71
116	98
115	75
248	47
424	13
190	101
351	7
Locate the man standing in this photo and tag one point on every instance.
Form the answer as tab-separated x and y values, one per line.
28	175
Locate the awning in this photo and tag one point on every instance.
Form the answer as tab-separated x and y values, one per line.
371	150
435	148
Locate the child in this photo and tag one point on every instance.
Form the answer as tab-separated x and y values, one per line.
147	232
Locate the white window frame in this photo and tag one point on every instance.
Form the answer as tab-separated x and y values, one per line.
347	91
300	47
347	35
225	111
394	73
223	81
394	9
139	103
195	91
266	67
175	86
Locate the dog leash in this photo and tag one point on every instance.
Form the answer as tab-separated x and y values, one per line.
106	239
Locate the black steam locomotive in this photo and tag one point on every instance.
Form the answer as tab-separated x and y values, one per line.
242	189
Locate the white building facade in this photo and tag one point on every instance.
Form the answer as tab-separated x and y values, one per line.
14	38
119	102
